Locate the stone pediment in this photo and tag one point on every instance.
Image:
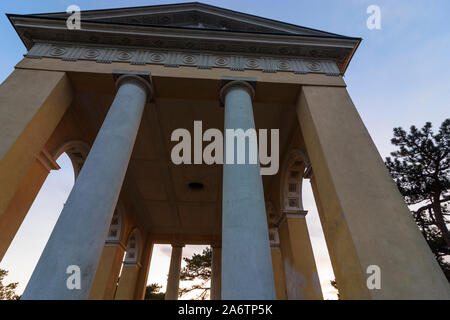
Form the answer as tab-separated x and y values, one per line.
193	27
191	15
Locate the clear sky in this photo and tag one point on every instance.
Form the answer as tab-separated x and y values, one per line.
398	77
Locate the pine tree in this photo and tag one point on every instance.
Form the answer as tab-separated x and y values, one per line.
7	292
421	169
198	267
152	292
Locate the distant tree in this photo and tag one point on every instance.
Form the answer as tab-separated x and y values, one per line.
421	169
152	292
197	267
7	292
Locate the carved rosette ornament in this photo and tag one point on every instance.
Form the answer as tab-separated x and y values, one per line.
176	59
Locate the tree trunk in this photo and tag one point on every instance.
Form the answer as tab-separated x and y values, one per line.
439	218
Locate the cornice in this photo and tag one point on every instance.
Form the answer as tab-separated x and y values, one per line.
34	29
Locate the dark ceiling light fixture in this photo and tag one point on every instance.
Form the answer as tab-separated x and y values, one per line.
196	186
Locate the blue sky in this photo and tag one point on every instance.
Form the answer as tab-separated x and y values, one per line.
398	77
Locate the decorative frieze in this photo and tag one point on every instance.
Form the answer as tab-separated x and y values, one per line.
175	59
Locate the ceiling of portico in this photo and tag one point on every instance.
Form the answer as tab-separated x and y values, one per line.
158	188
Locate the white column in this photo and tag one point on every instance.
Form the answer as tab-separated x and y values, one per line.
216	272
246	261
68	264
173	280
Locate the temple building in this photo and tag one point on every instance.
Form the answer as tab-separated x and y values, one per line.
111	93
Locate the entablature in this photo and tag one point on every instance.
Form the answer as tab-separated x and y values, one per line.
168	58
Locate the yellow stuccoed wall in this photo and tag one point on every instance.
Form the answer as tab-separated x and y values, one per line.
278	274
298	258
141	282
31	105
127	282
18	208
365	220
105	281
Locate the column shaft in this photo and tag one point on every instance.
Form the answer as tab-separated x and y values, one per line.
278	273
80	232
141	283
246	262
366	221
126	288
216	273
173	281
105	281
302	279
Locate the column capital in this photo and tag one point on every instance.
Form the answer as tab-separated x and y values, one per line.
139	77
47	161
132	264
113	243
291	214
229	82
177	245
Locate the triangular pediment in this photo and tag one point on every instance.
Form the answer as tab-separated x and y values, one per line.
191	19
192	15
194	27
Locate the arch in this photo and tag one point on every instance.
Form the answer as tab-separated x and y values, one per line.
134	247
115	231
272	221
271	213
294	168
77	151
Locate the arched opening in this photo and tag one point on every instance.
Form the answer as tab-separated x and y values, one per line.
319	246
272	219
291	200
77	152
297	197
134	248
35	230
130	270
116	227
